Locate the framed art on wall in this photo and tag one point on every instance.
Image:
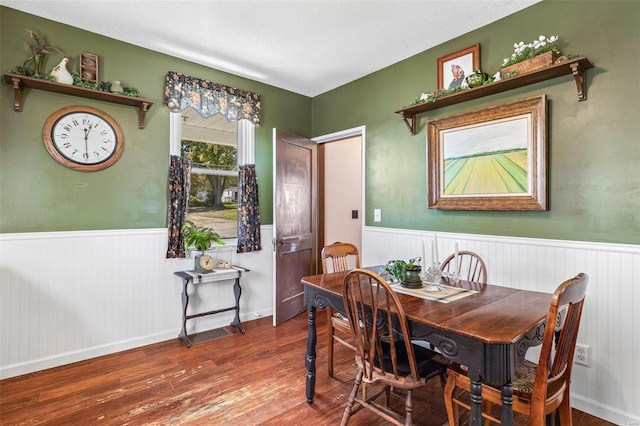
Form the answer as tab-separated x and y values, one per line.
455	67
494	158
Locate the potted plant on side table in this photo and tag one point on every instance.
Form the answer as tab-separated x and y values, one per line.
406	272
201	239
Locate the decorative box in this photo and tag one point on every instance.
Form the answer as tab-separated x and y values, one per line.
533	64
89	67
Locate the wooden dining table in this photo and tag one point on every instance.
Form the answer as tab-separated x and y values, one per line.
488	331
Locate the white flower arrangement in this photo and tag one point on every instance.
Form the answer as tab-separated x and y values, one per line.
523	51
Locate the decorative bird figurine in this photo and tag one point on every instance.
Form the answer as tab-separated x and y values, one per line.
60	72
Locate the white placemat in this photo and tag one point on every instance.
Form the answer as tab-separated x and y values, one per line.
450	294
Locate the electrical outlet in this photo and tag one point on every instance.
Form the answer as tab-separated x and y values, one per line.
582	355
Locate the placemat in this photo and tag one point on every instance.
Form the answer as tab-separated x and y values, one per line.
452	293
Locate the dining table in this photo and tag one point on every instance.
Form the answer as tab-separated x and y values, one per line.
486	328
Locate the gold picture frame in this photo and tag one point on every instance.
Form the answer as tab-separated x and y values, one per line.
494	158
466	60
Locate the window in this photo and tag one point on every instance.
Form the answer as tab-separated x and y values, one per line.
212	145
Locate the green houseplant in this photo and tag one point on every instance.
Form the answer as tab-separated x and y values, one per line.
406	272
199	238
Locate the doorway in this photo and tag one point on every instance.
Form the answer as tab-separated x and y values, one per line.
341	187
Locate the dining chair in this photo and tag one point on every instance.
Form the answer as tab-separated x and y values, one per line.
542	389
384	352
471	266
338	257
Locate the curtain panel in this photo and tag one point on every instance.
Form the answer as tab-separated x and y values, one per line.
179	184
209	98
248	210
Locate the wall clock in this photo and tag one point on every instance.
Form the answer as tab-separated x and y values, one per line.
83	138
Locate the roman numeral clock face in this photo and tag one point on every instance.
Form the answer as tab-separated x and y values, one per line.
83	138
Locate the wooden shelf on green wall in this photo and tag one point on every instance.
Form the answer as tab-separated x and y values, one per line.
20	82
576	66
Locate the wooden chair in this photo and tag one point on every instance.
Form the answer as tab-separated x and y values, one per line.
384	352
472	267
338	257
538	389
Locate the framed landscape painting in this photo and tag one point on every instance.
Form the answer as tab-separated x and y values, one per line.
494	158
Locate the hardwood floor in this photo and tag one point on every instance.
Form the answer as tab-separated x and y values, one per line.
252	379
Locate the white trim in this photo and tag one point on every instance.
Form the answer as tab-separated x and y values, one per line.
175	132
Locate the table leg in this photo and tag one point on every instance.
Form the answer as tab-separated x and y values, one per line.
237	291
185	303
310	357
476	402
507	404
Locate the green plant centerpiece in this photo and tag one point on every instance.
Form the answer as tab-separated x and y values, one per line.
199	238
406	272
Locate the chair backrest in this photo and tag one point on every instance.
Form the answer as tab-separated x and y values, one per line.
559	340
339	257
377	319
472	267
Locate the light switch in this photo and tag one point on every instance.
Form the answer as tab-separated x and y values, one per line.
377	215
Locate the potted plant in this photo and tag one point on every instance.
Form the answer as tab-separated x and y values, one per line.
199	238
478	78
406	272
37	46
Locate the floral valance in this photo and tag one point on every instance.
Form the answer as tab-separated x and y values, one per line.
208	98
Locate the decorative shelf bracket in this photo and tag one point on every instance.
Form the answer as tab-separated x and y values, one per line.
410	121
17	94
20	82
577	67
580	75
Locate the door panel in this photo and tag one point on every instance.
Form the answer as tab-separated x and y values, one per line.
295	171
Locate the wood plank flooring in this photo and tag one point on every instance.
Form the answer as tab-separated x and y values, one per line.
252	379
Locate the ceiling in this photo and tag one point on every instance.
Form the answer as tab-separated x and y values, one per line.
304	46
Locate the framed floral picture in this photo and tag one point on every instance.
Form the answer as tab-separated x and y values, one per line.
455	67
494	158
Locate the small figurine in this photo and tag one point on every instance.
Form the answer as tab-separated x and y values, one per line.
116	87
60	72
105	86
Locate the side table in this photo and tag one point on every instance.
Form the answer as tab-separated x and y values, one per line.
234	273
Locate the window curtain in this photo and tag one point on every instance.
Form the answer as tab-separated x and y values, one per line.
208	98
179	183
248	210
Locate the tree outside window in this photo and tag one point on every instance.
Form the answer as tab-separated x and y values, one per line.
213	198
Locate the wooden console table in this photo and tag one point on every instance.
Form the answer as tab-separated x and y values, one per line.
196	278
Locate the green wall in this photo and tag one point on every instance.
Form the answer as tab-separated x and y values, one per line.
594	153
594	146
38	194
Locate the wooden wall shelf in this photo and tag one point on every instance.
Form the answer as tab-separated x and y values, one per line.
20	82
576	66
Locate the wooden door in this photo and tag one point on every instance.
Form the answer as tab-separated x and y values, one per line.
294	221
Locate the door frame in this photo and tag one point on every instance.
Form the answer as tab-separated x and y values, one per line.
332	137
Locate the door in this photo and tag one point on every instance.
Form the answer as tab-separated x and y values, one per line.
294	221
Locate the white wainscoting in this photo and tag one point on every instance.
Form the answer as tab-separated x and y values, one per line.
70	296
611	317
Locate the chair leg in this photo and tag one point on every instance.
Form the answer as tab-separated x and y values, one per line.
330	345
564	410
408	408
349	408
452	408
